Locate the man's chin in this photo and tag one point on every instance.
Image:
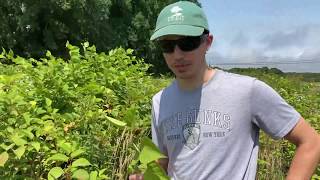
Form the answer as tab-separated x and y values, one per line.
183	76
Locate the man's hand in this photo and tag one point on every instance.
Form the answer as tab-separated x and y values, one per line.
163	162
136	177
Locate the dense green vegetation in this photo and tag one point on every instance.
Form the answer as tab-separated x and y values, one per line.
81	112
308	77
30	27
85	116
61	117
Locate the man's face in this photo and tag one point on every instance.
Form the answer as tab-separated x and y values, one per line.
183	62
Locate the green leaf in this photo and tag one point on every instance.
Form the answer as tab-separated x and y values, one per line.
155	172
81	162
48	102
85	44
5	147
58	157
93	175
77	153
3	158
35	145
28	133
33	104
55	173
48	54
10	129
130	51
116	122
81	174
101	172
149	152
20	151
18	140
65	146
40	111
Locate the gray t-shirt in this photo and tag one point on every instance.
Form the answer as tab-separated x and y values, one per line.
213	131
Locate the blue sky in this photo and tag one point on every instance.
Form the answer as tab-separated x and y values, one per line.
276	33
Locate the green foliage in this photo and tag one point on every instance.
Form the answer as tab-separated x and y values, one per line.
61	117
30	27
146	161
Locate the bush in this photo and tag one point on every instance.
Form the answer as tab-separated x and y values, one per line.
75	117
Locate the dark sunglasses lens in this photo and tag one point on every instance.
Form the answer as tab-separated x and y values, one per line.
189	43
185	44
167	46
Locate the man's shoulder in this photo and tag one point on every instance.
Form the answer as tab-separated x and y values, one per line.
234	76
233	79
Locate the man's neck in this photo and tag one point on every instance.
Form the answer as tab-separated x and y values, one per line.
193	83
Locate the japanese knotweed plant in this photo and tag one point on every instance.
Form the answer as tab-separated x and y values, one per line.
63	118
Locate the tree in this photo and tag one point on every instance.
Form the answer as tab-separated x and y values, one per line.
30	27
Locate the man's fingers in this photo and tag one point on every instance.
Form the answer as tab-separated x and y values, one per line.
136	177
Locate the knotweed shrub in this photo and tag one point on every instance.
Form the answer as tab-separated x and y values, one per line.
75	117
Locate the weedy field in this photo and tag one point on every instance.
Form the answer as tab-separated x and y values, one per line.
84	117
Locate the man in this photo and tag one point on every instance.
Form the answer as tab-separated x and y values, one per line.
207	121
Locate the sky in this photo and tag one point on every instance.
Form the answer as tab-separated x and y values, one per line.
284	34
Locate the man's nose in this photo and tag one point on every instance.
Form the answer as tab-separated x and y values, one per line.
177	52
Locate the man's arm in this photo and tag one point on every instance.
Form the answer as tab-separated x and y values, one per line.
307	154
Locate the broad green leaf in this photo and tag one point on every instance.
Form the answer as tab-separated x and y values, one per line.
55	173
116	122
81	174
130	51
133	166
48	54
101	172
20	151
93	175
48	102
28	133
86	44
155	172
77	153
65	146
3	158
149	152
5	147
35	145
40	111
33	104
18	140
81	162
10	129
58	157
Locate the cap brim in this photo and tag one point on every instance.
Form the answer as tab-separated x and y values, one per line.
183	30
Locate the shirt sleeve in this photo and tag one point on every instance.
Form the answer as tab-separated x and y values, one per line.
156	135
271	112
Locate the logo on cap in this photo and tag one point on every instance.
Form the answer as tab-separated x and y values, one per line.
177	15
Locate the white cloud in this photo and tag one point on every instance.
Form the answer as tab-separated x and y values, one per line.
299	43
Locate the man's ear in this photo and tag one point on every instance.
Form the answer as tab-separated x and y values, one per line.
209	41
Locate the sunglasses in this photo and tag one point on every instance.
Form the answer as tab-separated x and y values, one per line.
188	43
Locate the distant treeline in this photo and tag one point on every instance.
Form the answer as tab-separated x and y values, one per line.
307	77
31	27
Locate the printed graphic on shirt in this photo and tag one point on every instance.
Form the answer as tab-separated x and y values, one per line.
192	126
191	134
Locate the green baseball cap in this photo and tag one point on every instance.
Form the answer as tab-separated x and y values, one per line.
181	18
